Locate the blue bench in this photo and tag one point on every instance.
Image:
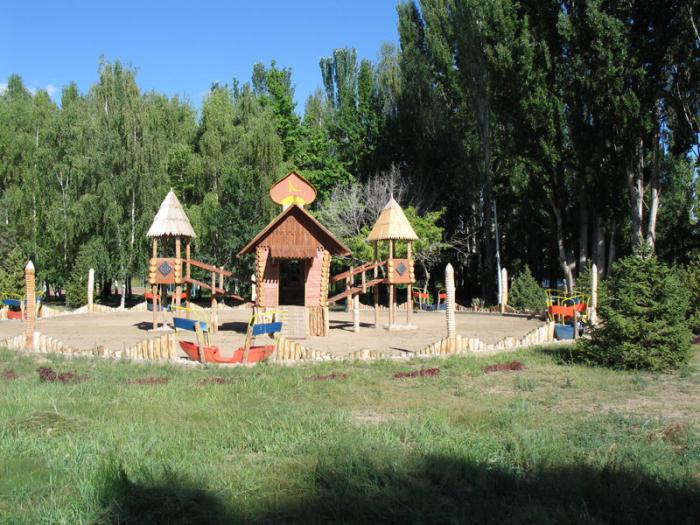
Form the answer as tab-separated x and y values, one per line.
189	324
15	303
266	328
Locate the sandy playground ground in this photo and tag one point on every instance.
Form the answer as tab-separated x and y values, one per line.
119	330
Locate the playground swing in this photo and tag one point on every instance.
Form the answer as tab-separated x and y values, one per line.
422	300
564	310
14	308
442	300
16	305
203	351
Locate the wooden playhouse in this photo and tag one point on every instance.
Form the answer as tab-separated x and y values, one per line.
292	260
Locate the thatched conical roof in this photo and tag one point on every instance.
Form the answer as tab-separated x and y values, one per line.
392	224
171	219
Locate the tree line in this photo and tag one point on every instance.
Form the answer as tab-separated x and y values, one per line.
566	131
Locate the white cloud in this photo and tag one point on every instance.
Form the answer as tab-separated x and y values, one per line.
51	90
3	87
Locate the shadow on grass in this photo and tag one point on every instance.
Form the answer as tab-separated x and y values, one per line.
562	353
429	489
168	498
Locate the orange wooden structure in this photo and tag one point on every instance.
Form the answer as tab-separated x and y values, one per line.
293	255
171	223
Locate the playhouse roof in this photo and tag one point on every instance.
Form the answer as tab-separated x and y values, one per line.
171	219
295	234
392	224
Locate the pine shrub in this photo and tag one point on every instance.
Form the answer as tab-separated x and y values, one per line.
693	280
643	308
525	293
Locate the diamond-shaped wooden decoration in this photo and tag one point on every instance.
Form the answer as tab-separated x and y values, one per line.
401	269
165	268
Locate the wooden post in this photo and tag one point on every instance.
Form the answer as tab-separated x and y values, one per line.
450	301
594	294
214	305
30	309
348	285
91	289
409	305
188	286
504	290
154	287
178	287
253	287
356	312
376	287
392	288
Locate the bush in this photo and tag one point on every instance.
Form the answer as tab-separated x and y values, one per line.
643	310
12	273
693	280
525	293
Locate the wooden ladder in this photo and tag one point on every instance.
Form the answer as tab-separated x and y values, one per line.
294	325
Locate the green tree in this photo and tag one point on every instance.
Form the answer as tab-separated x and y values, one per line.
525	293
643	311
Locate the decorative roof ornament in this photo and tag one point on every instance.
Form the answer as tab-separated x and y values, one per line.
171	220
392	224
293	189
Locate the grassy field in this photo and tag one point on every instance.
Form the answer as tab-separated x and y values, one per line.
552	443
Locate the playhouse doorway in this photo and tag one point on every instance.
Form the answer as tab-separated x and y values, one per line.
292	283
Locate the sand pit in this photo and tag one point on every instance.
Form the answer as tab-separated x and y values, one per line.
120	330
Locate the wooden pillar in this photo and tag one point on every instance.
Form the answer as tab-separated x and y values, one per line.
154	287
392	288
409	304
91	289
348	285
178	286
30	309
594	294
214	305
450	301
356	312
188	286
376	287
503	300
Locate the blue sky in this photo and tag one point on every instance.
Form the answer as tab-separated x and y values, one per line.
182	47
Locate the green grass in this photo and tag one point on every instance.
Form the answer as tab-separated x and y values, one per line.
553	443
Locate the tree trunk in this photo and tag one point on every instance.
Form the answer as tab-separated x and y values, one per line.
599	245
567	266
611	250
583	234
654	183
635	185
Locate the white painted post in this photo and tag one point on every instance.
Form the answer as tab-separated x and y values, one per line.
450	302
504	290
594	294
253	290
356	312
90	289
30	310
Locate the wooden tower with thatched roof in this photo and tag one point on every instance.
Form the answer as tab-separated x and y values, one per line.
170	223
292	260
391	226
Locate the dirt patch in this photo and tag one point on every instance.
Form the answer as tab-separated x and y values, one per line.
330	377
47	422
673	434
215	381
423	372
8	375
49	375
504	367
370	417
147	381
